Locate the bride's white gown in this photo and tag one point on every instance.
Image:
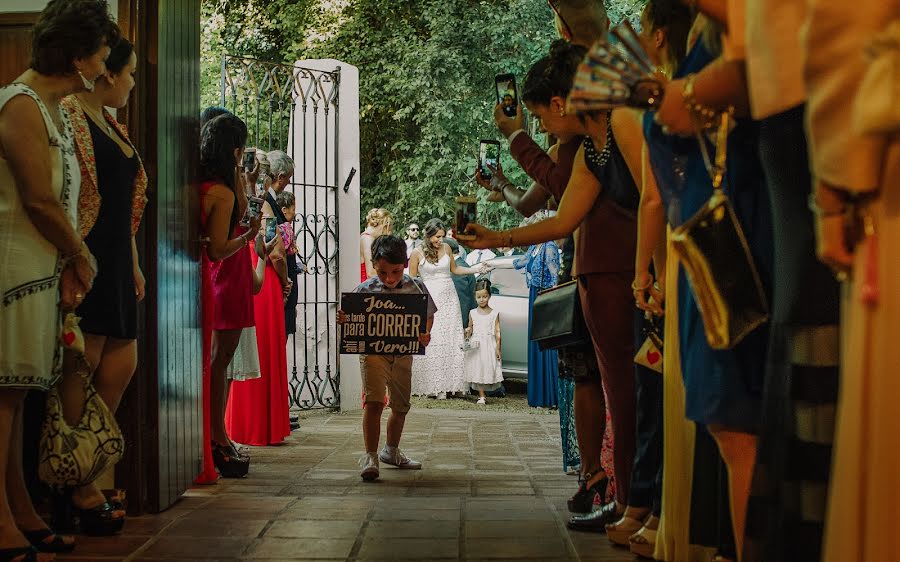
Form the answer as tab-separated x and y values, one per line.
441	368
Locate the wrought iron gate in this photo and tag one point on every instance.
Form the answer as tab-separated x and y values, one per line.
295	109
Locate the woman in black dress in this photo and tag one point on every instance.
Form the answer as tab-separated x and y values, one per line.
110	206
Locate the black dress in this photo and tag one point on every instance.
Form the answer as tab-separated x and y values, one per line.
110	308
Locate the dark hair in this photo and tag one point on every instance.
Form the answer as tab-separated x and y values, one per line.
553	74
390	248
219	138
285	199
70	29
483	285
431	228
211	113
119	55
676	20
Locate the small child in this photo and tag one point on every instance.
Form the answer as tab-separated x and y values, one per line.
483	364
392	373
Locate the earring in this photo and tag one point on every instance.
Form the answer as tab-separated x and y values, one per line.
88	84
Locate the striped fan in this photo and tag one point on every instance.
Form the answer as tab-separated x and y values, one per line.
616	72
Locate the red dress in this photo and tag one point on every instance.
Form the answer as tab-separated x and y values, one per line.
225	290
257	411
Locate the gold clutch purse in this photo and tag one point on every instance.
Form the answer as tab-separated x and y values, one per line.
717	260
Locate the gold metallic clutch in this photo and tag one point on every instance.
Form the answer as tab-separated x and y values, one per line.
720	268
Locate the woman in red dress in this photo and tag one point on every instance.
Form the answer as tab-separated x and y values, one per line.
378	222
226	283
257	412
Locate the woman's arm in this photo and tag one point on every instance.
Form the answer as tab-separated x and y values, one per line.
651	238
414	259
219	202
278	256
459	269
259	272
579	198
139	281
26	145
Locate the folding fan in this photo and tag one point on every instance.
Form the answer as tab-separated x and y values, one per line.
616	72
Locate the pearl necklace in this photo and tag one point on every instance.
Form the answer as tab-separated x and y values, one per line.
600	159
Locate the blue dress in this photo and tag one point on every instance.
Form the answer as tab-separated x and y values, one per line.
722	387
541	265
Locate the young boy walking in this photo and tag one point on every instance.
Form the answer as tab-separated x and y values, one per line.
391	373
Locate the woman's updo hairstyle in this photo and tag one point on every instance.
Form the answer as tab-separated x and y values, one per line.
432	227
70	29
483	285
219	138
378	217
553	74
119	56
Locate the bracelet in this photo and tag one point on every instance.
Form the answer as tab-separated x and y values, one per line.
824	213
644	288
706	114
66	259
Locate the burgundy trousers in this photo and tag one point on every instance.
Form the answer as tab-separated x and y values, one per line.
608	306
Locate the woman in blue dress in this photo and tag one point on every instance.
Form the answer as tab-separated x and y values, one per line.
541	265
723	388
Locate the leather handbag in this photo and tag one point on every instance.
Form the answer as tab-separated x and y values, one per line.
76	455
717	260
556	317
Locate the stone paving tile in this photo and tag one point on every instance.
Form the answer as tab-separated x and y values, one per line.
492	488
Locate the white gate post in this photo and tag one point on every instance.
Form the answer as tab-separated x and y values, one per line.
339	167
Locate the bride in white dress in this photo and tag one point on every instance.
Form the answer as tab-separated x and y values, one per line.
441	369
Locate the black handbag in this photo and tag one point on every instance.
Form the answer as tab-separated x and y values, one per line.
557	319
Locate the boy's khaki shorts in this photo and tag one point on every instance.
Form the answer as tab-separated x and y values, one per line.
387	372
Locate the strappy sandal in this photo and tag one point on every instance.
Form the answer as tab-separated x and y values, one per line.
115	497
45	540
643	543
583	500
622	530
228	462
100	521
19	554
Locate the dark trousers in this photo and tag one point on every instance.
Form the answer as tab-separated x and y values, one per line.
646	474
608	306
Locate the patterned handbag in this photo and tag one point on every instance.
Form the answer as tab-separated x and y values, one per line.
78	454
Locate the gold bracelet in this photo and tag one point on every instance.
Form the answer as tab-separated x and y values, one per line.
707	115
644	288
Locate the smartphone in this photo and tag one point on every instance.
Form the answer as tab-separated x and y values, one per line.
466	212
254	208
488	155
271	226
507	94
249	159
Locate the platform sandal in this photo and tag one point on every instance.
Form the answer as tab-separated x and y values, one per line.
583	500
228	462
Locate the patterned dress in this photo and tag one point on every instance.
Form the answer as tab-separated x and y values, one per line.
30	355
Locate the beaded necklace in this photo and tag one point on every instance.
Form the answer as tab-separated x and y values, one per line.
600	159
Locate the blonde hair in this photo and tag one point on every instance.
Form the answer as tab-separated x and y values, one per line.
379	217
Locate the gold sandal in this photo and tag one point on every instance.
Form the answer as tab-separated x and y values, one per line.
620	531
643	542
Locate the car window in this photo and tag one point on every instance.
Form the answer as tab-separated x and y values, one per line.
509	282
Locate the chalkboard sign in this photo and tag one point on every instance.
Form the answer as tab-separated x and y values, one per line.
383	323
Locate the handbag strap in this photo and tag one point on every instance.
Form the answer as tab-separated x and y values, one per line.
716	169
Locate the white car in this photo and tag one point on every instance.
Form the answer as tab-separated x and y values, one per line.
510	296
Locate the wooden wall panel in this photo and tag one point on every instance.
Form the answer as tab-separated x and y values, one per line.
15	44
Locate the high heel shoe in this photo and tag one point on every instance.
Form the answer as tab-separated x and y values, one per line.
622	530
100	521
583	500
19	554
56	544
228	462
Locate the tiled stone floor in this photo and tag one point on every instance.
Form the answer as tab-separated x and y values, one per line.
492	488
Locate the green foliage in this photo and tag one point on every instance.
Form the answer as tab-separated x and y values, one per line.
426	81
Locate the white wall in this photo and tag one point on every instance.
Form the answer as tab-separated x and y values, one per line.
321	326
37	5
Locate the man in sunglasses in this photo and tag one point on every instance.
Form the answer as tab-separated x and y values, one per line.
412	238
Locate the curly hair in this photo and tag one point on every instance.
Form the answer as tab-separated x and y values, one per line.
70	29
432	227
379	217
219	138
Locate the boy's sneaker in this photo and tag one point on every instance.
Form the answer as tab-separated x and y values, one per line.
398	459
369	464
481	401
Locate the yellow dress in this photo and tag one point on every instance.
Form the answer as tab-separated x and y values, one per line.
864	504
673	536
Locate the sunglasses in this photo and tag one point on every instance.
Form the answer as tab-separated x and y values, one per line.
414	230
561	19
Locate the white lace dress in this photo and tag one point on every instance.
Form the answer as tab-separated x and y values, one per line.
30	355
441	368
483	370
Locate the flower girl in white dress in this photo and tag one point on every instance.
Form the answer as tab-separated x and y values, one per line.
483	365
